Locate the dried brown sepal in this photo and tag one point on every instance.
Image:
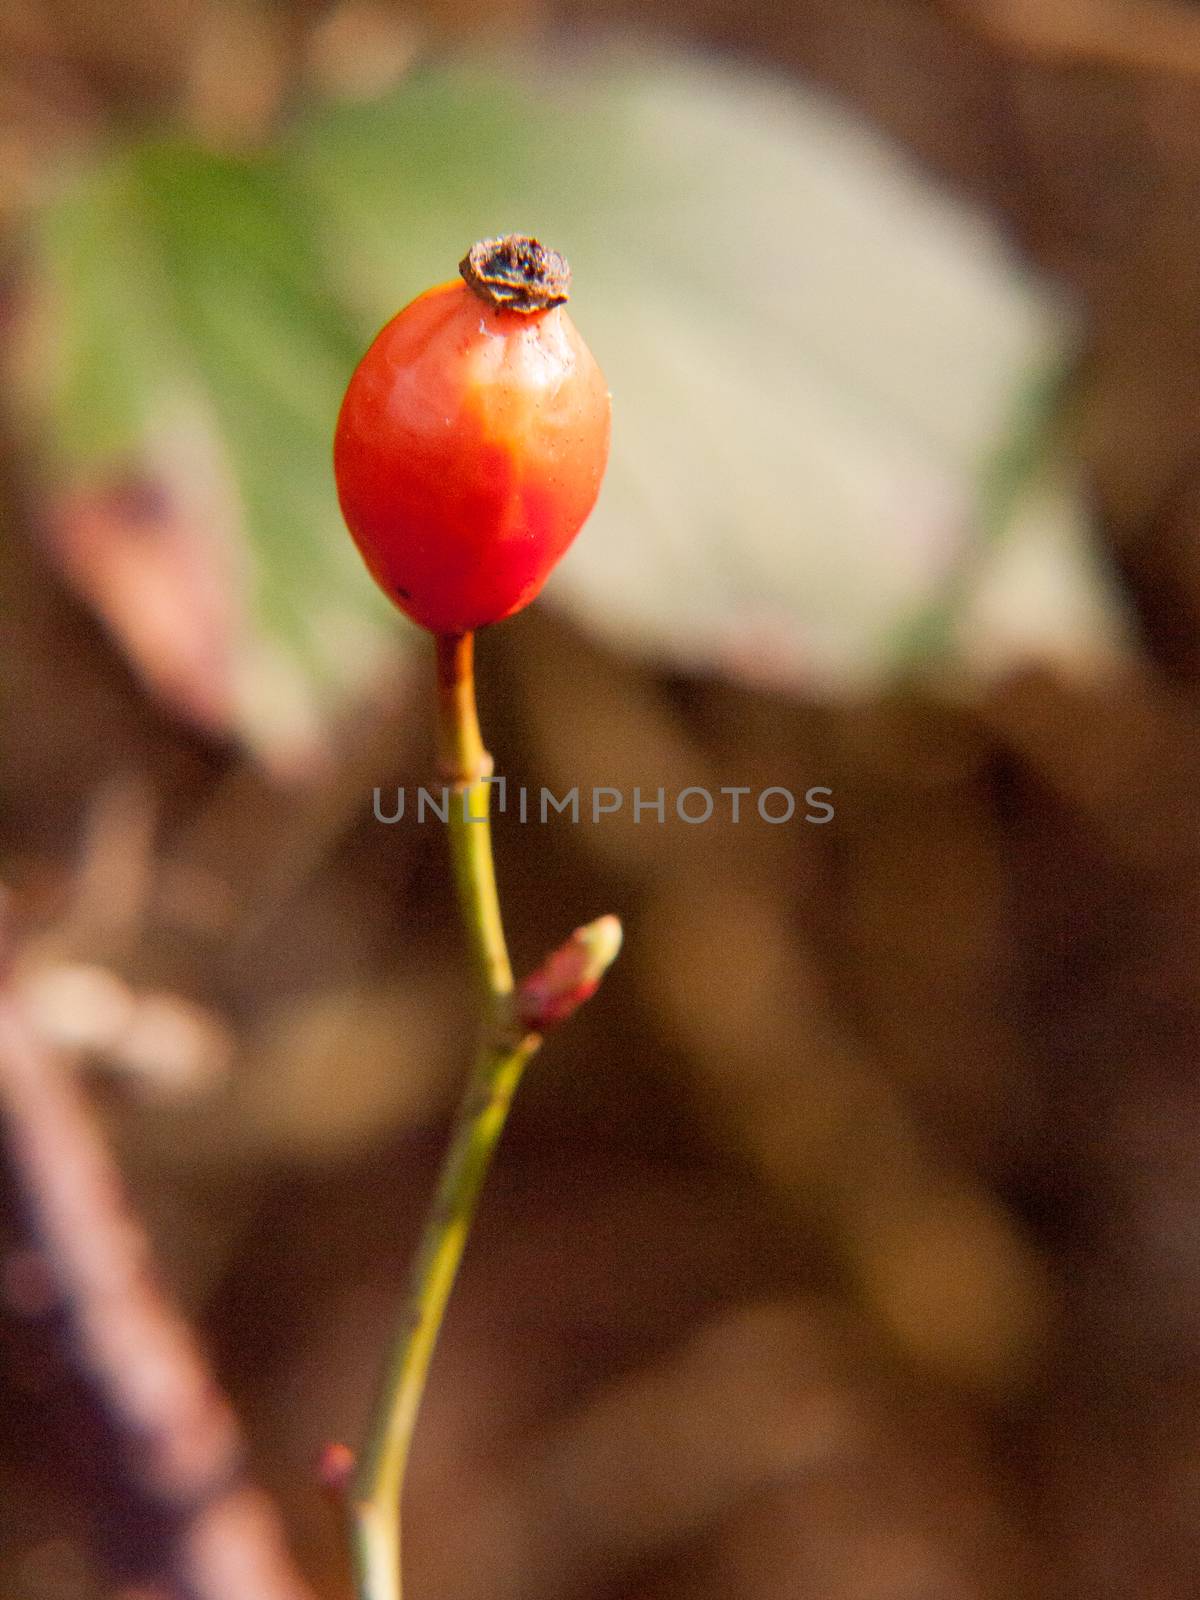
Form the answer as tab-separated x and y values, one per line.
517	273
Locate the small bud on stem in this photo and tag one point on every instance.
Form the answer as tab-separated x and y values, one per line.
569	976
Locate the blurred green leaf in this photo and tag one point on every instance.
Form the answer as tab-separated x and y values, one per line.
192	350
835	390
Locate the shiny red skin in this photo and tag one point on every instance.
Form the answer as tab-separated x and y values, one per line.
468	454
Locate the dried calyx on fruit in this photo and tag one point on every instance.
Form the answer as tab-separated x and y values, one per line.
472	439
517	272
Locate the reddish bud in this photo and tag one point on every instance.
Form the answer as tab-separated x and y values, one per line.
335	1468
570	976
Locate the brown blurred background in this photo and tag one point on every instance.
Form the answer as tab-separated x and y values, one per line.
847	1245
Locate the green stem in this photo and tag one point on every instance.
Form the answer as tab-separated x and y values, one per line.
380	1483
379	1479
467	767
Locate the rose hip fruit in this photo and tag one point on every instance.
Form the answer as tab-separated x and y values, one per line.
472	439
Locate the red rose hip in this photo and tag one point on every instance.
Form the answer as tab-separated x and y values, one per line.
472	440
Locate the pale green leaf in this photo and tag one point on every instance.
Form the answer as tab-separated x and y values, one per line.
834	386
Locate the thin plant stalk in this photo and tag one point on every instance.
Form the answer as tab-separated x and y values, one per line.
507	1046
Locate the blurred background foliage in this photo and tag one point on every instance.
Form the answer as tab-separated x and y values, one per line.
849	1246
832	411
